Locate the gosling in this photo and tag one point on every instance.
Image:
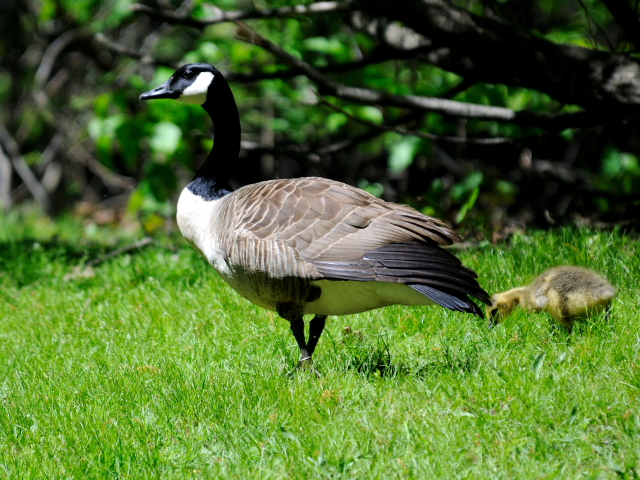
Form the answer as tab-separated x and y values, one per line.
566	293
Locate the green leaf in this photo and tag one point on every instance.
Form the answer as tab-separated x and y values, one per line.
335	121
572	415
324	45
617	164
468	205
537	363
166	137
402	153
376	189
162	181
506	188
474	180
104	127
372	114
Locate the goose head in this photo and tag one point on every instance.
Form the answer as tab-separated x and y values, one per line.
192	83
204	85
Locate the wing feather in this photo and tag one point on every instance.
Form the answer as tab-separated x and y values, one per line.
326	229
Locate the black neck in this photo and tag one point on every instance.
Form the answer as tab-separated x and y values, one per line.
212	180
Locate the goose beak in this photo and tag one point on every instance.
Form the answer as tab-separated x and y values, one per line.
163	91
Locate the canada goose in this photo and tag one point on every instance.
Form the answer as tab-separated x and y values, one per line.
567	293
309	245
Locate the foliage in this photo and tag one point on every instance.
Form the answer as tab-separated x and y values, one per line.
88	78
154	368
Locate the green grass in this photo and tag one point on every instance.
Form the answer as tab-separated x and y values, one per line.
154	368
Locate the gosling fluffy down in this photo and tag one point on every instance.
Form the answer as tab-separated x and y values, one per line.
567	293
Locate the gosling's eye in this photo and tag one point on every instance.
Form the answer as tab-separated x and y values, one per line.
493	312
188	74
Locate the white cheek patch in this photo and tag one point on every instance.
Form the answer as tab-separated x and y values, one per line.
197	91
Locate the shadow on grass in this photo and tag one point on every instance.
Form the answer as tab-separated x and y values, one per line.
597	323
27	261
377	360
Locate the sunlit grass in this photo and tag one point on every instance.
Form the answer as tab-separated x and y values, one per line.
153	368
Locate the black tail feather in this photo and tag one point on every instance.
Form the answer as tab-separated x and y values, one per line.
424	266
448	300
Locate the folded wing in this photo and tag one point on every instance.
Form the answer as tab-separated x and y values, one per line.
318	228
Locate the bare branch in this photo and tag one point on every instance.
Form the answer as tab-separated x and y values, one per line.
379	56
403	131
373	133
437	105
47	63
23	170
221	17
111	179
103	40
287	151
492	51
52	149
5	181
52	53
313	154
52	170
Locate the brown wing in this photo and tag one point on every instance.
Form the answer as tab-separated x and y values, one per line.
319	228
323	218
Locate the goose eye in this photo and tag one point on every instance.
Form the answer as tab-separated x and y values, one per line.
188	74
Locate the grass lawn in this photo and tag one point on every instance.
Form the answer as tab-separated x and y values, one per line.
154	368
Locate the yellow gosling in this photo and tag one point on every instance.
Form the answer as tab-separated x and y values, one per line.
566	293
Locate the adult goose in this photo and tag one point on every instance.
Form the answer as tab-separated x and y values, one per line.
309	245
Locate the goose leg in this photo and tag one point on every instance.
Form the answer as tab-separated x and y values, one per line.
316	326
297	328
293	313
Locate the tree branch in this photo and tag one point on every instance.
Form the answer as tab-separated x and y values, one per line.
221	17
378	56
373	133
5	181
286	150
103	40
437	105
23	170
495	52
112	180
403	131
313	154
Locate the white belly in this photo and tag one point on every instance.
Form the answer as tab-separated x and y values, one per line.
345	298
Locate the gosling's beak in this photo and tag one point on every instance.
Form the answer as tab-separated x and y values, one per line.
163	91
